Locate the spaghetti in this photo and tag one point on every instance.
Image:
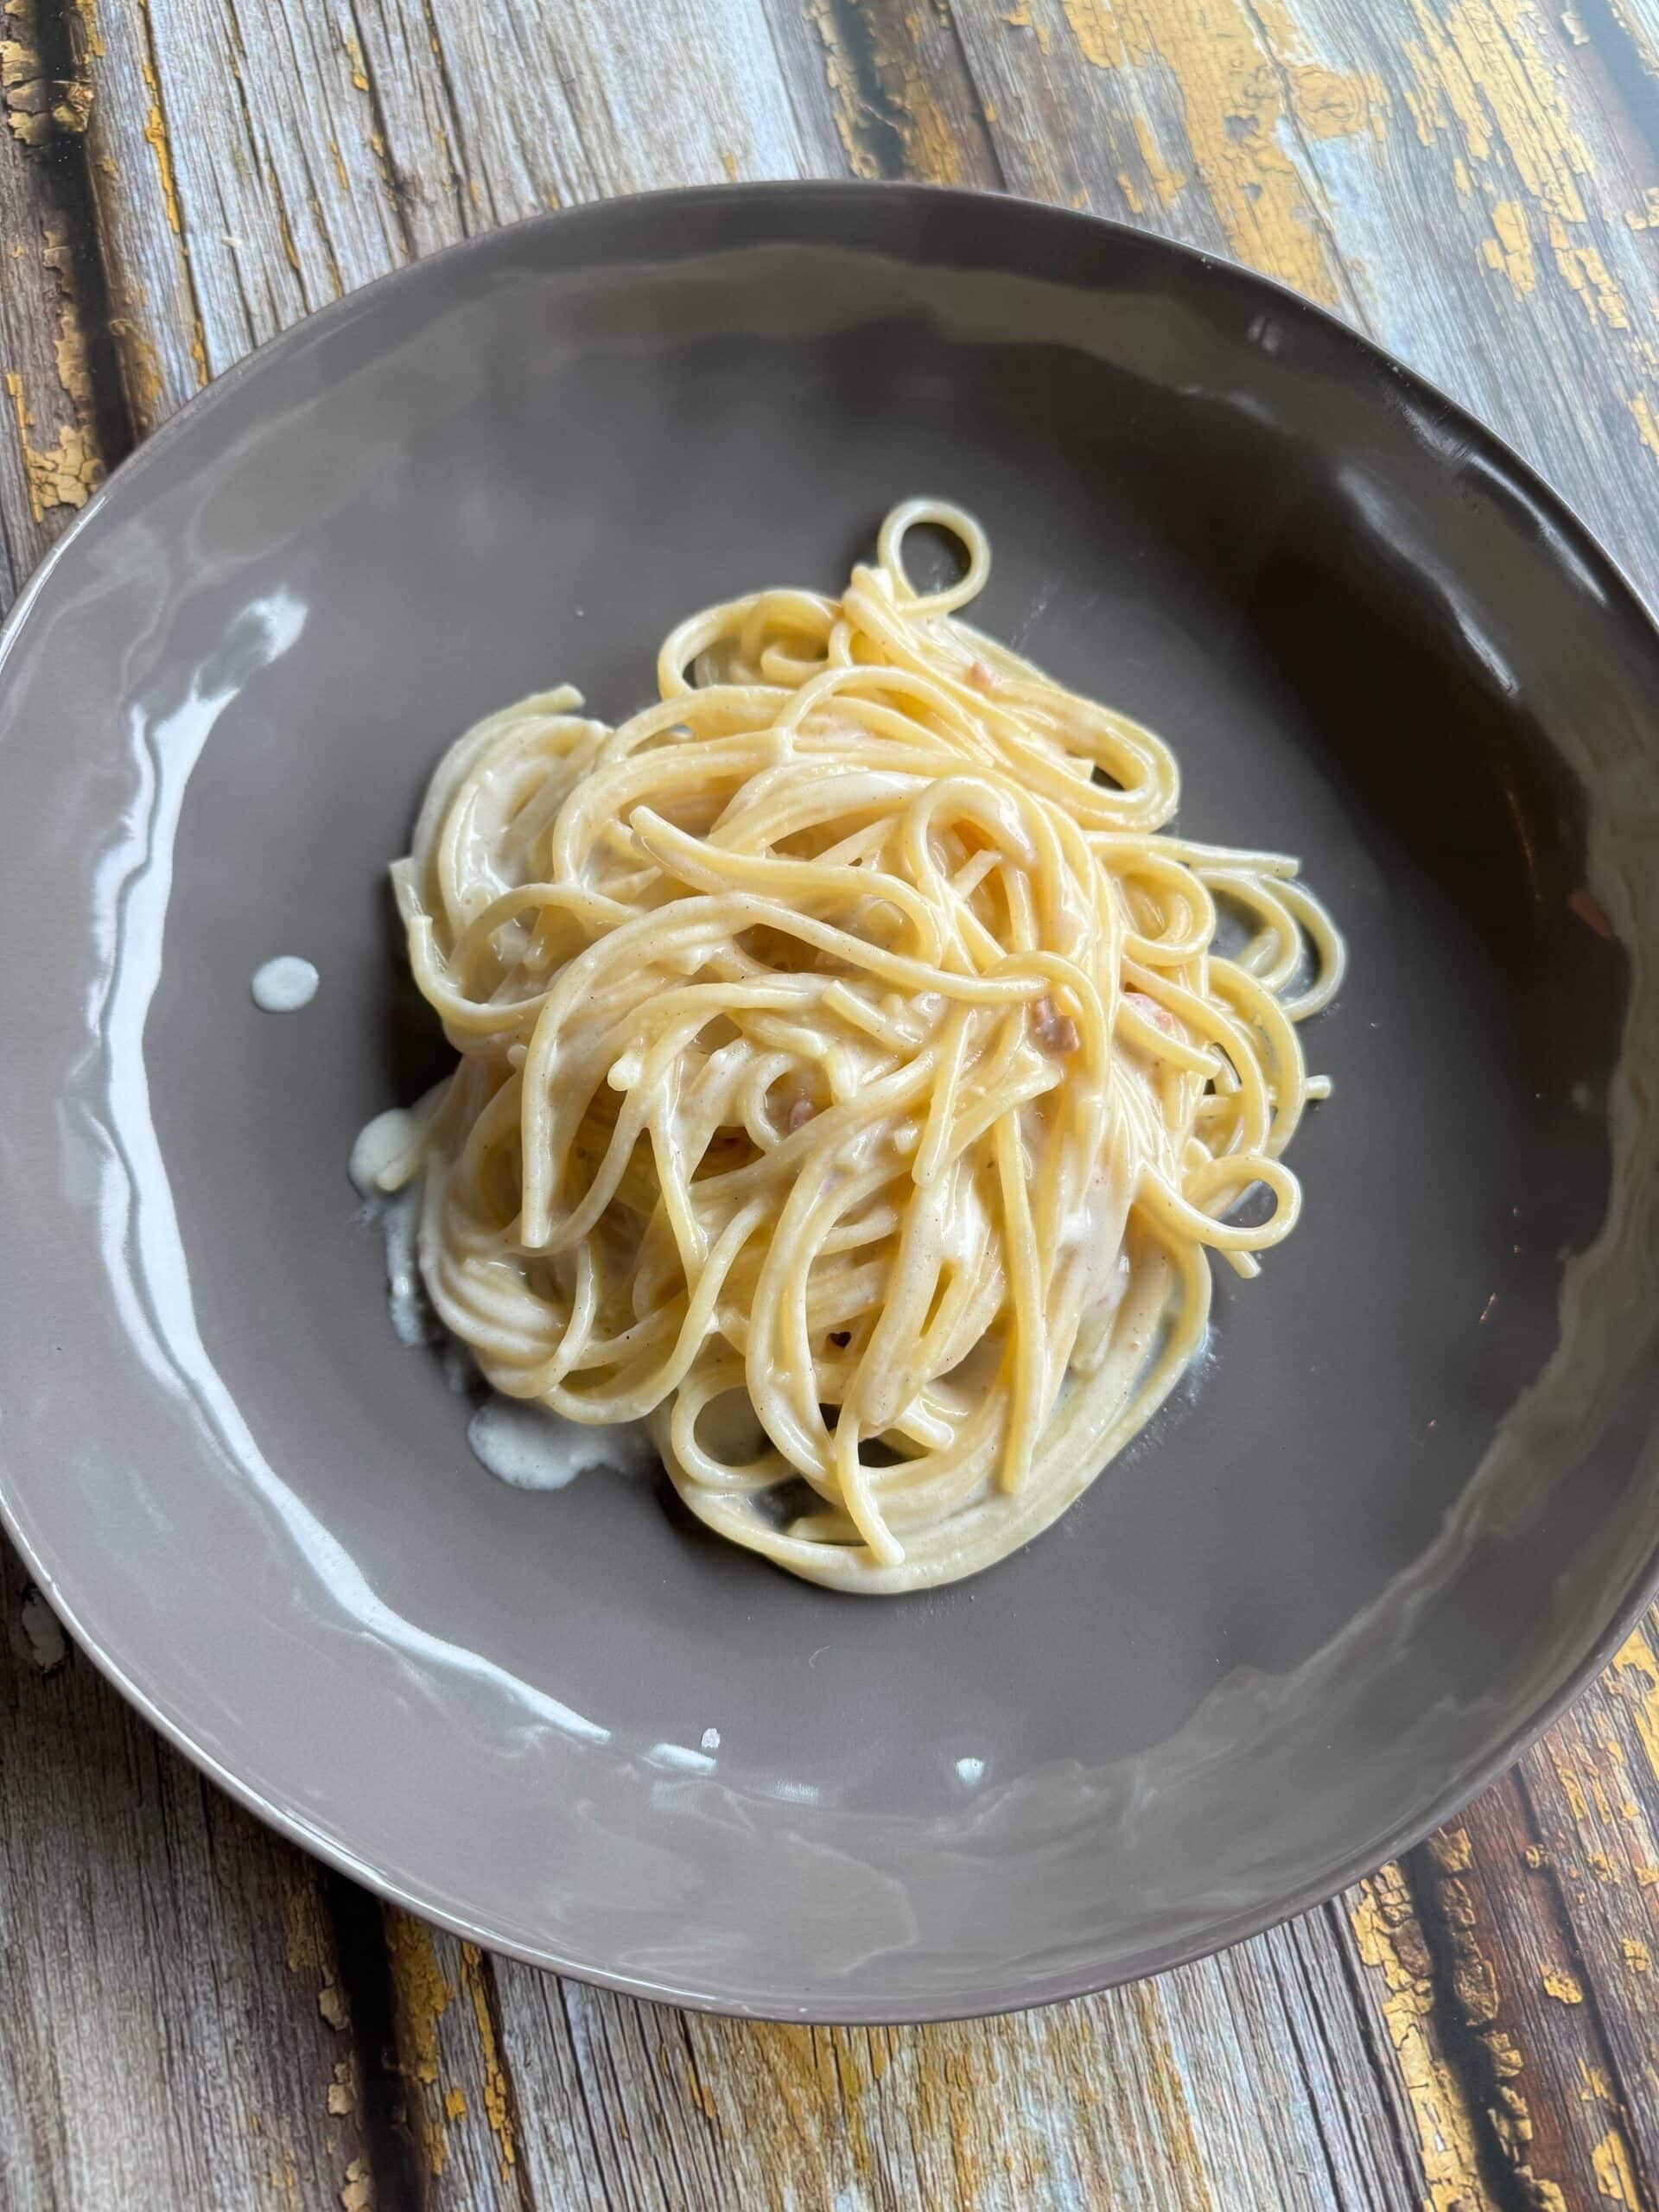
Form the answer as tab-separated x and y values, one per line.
850	1082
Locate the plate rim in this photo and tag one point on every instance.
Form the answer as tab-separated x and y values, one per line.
1627	604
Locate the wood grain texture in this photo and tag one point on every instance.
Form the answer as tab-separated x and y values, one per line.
55	438
176	2032
1250	2080
1474	181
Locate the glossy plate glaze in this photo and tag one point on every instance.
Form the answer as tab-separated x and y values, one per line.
1385	1532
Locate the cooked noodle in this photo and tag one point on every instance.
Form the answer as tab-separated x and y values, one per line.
849	1080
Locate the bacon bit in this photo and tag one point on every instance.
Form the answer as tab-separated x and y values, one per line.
1153	1010
1055	1032
1581	903
799	1114
841	1337
982	678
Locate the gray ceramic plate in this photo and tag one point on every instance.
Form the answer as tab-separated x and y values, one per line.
1406	1504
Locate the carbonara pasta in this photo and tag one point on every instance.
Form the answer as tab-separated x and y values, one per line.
850	1082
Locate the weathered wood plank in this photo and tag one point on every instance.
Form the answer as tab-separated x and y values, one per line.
1396	1981
1592	1793
1466	179
176	2033
1514	1963
55	440
1248	2080
253	160
154	319
890	82
1534	2056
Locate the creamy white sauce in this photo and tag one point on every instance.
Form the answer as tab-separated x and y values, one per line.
525	1444
533	1448
412	1322
381	1159
284	985
383	1149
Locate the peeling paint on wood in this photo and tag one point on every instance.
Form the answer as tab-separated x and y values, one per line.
1510	248
1390	1943
1232	103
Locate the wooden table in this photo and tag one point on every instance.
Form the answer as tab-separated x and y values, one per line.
198	2016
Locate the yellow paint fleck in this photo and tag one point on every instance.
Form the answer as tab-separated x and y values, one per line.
843	92
155	138
15	393
1636	1955
357	2195
1635	1658
342	2090
1535	1856
1562	1986
1577	1803
931	148
1389	1942
455	2103
729	162
1615	2170
1645	217
69	353
1453	1853
1630	21
1167	182
422	1993
1574	28
331	2003
1461	174
1647	429
699	2092
495	2080
1443	91
1478	59
339	166
25	94
1510	250
63	474
1131	197
284	2177
1590	278
304	1942
1233	103
290	251
1598	2089
354	55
